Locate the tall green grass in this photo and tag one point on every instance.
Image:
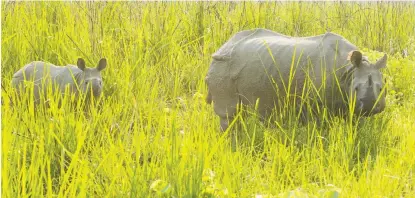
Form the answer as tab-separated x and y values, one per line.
152	134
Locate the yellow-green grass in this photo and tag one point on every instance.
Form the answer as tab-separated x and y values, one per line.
152	134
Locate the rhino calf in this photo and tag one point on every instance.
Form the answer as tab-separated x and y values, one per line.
265	65
79	79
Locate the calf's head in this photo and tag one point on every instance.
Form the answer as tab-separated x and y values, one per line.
366	87
90	80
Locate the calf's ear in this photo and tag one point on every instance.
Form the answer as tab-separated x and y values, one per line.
102	64
381	63
81	64
355	57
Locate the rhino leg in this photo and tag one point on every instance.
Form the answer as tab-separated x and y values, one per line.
224	123
17	84
224	117
225	102
257	91
209	98
222	92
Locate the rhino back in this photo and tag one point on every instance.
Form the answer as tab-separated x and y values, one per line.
225	51
328	50
41	73
37	70
264	63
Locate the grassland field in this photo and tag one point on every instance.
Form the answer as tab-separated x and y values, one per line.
153	135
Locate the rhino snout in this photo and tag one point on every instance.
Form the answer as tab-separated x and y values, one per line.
369	107
95	85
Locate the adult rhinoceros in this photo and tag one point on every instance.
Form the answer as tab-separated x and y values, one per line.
79	78
265	65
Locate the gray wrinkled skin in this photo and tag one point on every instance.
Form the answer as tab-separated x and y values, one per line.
78	79
258	64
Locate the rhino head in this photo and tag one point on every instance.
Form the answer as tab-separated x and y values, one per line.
90	79
366	87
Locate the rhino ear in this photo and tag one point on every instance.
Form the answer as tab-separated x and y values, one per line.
102	64
81	64
381	63
355	57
